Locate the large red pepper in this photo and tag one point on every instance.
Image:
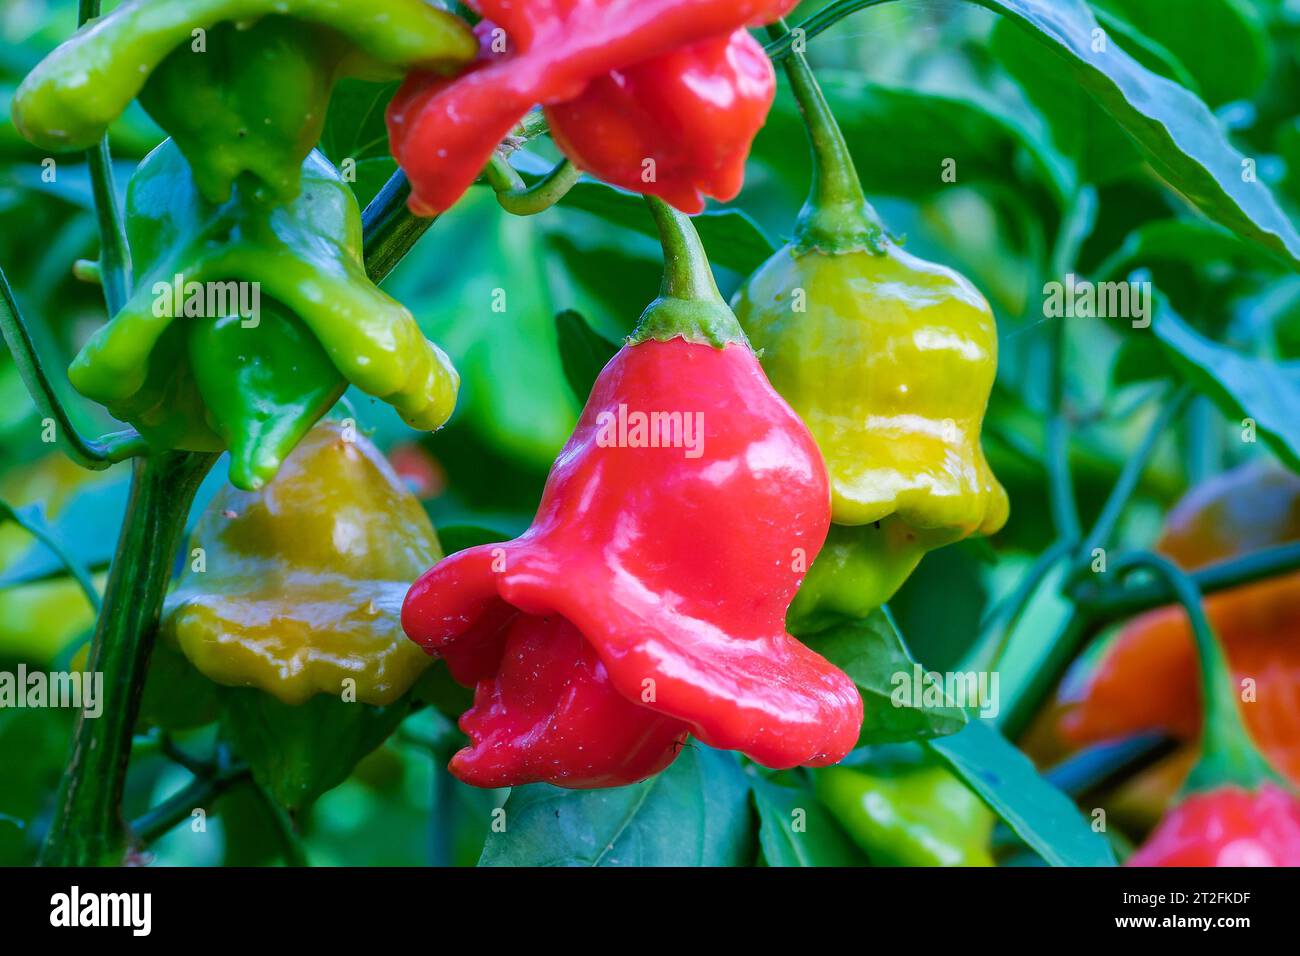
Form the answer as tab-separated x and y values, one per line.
648	599
678	82
1228	826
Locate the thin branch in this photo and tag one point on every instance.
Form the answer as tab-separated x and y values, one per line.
39	531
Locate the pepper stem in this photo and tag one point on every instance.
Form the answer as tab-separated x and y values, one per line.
689	304
837	216
88	829
1228	755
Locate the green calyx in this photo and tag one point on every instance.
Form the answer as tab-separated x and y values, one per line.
249	321
241	85
689	304
837	217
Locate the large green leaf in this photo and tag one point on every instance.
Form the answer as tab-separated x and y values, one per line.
695	813
1174	131
1036	811
872	652
796	830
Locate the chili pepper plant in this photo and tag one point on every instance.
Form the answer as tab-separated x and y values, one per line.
671	432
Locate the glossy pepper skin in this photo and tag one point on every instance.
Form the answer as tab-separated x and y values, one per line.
1146	679
241	85
648	598
301	582
1227	826
890	360
622	82
253	382
911	815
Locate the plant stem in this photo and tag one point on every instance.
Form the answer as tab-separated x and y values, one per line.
389	228
93	454
520	199
42	533
837	216
1227	753
114	253
1065	512
177	808
1106	605
689	304
88	829
782	46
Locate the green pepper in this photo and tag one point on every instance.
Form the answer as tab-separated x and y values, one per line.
889	360
909	813
276	315
289	601
241	85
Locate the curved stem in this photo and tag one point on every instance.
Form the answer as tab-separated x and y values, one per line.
520	199
42	534
837	216
88	829
782	47
94	454
1104	606
166	816
1227	753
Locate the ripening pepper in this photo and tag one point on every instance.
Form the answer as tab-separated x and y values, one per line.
910	813
889	359
662	97
276	314
295	588
648	598
1146	679
241	85
1227	826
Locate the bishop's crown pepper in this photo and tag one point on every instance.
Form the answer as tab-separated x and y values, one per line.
290	600
648	598
889	359
662	97
241	85
1146	678
248	321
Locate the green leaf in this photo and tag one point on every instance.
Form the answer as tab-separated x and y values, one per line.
583	352
1175	132
1264	391
1183	240
1222	43
1037	812
796	830
872	652
695	813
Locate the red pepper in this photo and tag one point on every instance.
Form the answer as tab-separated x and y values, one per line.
648	598
680	65
1227	826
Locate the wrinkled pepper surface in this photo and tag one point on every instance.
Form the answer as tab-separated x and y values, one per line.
659	96
1146	680
241	85
275	317
909	814
889	359
647	600
1227	826
297	587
